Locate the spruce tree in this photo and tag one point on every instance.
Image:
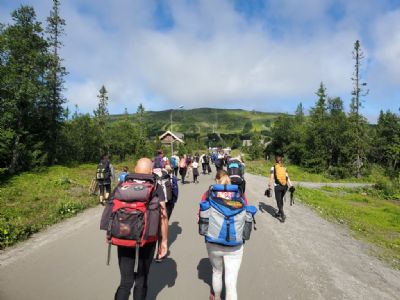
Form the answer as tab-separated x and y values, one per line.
358	123
55	80
102	119
23	67
337	126
316	155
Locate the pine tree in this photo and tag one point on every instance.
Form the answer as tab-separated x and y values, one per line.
55	80
102	119
23	67
386	150
143	148
337	126
357	121
317	152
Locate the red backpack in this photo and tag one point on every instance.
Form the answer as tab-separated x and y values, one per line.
133	214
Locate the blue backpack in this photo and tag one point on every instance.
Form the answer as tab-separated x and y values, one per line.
225	219
174	163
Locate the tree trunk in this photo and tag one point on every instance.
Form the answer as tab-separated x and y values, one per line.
15	155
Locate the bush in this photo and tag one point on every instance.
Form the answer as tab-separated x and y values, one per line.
388	189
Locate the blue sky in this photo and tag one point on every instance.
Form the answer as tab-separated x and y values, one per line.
251	54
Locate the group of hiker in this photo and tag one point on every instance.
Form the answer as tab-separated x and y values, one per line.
136	215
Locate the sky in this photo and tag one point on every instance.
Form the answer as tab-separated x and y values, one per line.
251	54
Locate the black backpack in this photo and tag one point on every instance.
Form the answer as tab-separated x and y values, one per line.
164	180
103	170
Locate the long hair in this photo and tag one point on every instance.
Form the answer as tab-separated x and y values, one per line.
222	177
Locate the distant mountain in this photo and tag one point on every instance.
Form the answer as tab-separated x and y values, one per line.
207	120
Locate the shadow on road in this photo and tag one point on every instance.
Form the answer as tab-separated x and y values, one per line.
263	207
173	231
204	271
161	275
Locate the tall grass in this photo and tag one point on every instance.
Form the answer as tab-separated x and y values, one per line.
296	173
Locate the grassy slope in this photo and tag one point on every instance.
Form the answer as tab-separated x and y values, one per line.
201	120
31	201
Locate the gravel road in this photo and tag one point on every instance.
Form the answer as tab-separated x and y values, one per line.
304	258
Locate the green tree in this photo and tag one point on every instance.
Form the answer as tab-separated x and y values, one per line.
79	140
358	124
248	127
102	120
296	148
386	146
280	135
24	61
316	152
337	139
53	109
144	146
256	149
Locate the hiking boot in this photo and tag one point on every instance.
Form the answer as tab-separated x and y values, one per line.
283	218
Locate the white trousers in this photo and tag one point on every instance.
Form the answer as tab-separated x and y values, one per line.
229	258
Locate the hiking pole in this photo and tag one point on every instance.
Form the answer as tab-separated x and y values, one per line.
109	253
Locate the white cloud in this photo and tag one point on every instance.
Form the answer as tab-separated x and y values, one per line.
387	45
213	56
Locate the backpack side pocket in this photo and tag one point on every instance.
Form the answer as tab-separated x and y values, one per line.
204	217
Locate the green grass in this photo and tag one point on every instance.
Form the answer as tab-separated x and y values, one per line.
371	218
296	173
32	201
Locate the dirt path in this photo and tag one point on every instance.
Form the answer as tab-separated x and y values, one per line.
304	258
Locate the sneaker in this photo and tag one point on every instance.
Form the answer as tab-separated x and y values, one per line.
277	214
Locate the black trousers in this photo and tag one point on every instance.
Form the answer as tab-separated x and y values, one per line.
204	166
126	261
104	188
170	207
175	171
182	172
280	192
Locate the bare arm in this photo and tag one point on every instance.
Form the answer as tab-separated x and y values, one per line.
271	181
289	182
162	251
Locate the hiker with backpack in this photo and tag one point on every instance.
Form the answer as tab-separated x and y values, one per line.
225	220
104	175
235	169
122	175
195	170
174	192
204	163
160	161
135	219
279	178
174	162
183	168
219	161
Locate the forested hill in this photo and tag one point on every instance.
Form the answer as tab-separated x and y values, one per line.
206	120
